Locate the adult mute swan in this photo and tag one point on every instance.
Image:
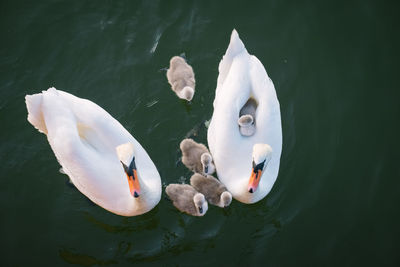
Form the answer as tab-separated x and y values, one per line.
247	164
101	158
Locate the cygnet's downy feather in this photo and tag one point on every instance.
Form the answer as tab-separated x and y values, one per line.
196	157
181	78
186	199
215	192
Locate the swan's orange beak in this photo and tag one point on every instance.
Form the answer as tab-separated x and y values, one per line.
254	180
134	185
133	181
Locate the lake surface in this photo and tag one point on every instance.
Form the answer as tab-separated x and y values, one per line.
335	69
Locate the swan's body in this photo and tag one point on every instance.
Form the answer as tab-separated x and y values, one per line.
186	199
213	190
196	157
241	77
84	139
180	76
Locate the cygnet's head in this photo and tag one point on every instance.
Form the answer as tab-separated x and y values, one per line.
262	154
246	120
246	125
201	203
208	165
226	199
187	93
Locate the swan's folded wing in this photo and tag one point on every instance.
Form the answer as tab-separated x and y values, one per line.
35	115
235	47
90	170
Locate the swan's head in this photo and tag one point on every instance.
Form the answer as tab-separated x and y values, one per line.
125	153
262	154
246	125
226	199
187	93
206	162
200	203
133	180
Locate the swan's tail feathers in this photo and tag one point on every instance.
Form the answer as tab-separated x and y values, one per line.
35	114
235	48
236	45
125	153
35	111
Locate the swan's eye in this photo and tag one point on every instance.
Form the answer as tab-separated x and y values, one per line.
259	166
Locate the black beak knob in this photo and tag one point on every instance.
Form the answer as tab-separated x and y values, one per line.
135	194
251	190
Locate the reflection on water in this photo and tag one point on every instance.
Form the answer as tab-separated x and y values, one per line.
197	130
83	260
146	223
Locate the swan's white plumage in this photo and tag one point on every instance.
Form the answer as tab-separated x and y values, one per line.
242	76
125	153
84	138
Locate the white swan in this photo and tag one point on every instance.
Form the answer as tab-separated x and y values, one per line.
241	77
93	149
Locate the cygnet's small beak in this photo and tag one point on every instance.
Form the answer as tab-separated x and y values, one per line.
201	210
254	180
206	169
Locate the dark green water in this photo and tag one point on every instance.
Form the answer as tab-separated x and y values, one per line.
335	69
